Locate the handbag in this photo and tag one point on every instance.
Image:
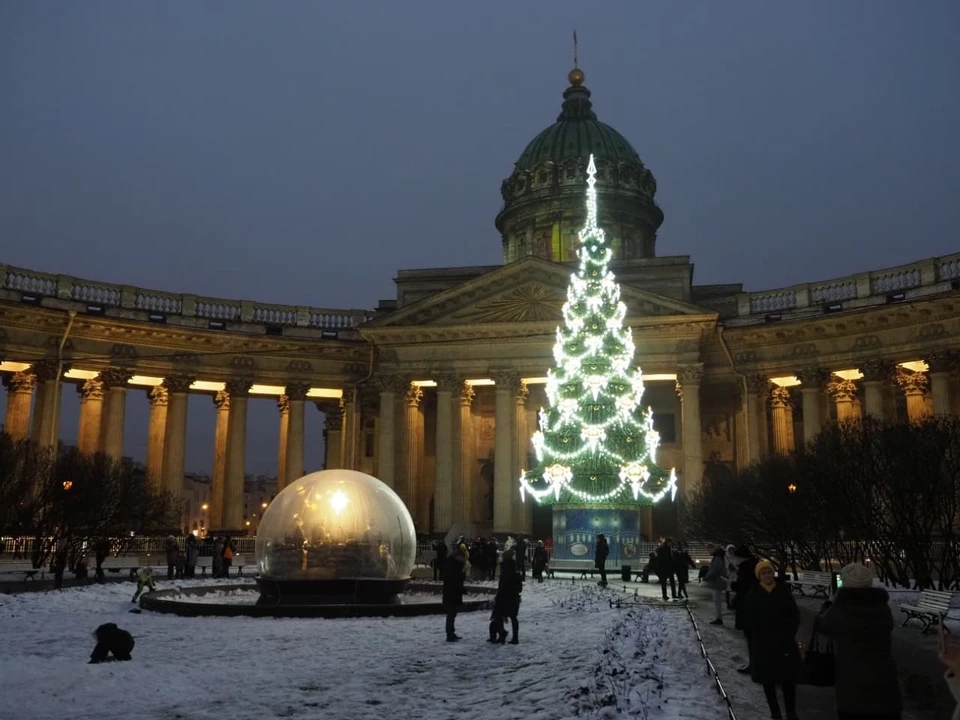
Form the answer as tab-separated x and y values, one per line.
819	665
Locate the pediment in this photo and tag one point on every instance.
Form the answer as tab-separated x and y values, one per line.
529	290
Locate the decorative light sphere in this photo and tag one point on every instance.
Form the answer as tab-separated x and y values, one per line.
576	77
336	525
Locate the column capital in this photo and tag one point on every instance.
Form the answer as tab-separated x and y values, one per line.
842	390
21	382
942	361
392	383
447	381
506	378
46	370
157	395
523	392
178	383
333	412
757	384
238	387
296	390
413	396
876	370
811	378
222	400
114	377
283	404
691	374
912	383
780	398
467	395
91	389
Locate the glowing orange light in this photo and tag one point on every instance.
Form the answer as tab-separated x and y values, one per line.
67	484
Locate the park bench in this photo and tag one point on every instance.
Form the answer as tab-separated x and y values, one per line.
576	566
204	563
27	568
238	563
819	583
118	564
930	609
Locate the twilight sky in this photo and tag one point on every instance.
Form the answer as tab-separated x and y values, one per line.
299	151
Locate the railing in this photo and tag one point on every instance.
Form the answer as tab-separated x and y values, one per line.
64	287
854	287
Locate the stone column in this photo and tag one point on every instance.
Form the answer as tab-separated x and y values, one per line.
296	394
283	405
756	387
447	384
409	489
507	384
844	394
811	380
155	432
332	431
390	385
941	367
348	445
876	375
91	413
114	411
466	460
46	423
175	435
19	396
781	407
523	515
232	519
915	386
222	402
742	430
689	378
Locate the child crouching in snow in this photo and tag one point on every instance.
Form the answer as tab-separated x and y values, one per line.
144	580
111	640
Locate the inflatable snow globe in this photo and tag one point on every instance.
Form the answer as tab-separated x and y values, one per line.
336	536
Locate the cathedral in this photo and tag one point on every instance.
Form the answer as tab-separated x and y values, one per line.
436	392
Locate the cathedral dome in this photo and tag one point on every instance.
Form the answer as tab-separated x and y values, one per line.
543	197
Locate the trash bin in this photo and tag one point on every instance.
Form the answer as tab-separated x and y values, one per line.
625	573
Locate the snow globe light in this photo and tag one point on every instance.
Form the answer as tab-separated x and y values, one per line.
336	536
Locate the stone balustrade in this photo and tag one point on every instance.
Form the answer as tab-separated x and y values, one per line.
156	303
918	279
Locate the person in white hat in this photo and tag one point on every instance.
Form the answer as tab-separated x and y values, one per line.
860	624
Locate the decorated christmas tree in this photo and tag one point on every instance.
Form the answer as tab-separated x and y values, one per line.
594	444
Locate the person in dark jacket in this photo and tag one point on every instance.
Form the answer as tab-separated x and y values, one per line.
190	556
539	561
101	552
716	580
665	568
860	624
600	558
111	640
772	619
490	555
682	562
746	580
440	560
507	602
171	550
453	590
520	551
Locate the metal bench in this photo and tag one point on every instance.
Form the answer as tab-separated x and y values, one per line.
118	564
27	568
930	609
238	563
204	563
583	567
819	583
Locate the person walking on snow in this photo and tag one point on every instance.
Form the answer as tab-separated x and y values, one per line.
716	581
600	558
144	580
453	590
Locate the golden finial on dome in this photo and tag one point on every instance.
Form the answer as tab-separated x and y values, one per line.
576	75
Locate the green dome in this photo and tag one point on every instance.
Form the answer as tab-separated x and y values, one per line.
576	134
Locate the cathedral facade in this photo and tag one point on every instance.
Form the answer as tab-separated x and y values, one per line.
436	392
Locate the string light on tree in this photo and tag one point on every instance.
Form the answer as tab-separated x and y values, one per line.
594	443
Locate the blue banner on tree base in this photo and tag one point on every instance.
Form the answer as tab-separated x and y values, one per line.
575	530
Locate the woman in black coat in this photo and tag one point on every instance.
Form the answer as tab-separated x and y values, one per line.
860	624
772	620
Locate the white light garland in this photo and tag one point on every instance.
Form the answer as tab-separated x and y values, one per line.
593	354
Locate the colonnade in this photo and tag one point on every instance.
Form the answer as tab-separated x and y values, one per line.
102	418
928	387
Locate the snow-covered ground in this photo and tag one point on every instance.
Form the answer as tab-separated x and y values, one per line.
577	657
